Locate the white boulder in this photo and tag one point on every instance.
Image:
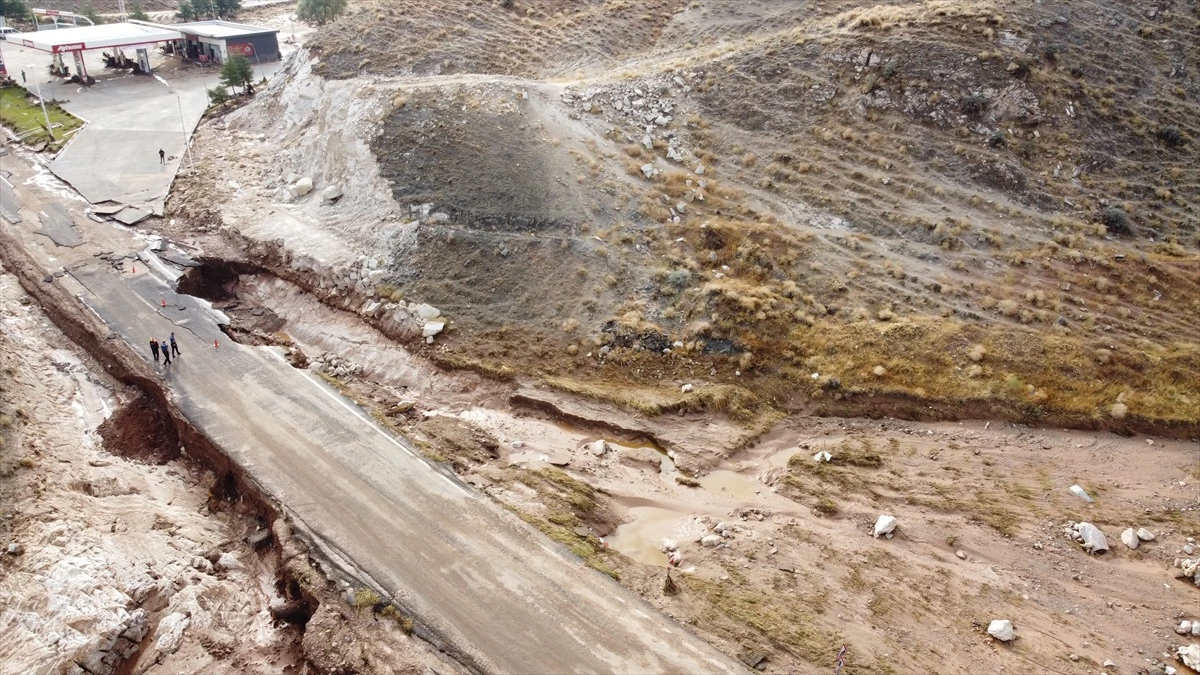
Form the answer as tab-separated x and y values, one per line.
427	312
1092	538
1184	628
884	525
598	447
687	388
331	193
1002	629
710	540
432	328
301	187
1130	538
822	456
1144	534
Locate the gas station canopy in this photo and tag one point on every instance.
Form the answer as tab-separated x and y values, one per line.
106	35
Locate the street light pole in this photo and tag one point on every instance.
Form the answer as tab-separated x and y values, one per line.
49	129
182	125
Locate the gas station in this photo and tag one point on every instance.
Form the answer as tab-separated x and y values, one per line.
118	37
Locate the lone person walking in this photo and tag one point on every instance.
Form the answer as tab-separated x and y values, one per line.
174	347
154	349
166	353
162	156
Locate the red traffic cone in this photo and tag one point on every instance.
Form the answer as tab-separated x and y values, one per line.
134	267
164	301
215	344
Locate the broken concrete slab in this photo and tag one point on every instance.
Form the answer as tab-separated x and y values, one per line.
58	225
130	215
177	258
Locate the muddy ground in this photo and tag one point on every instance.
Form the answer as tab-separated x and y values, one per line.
981	508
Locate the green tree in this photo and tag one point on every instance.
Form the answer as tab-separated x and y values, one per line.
186	11
139	14
16	10
227	9
237	72
319	12
218	95
88	10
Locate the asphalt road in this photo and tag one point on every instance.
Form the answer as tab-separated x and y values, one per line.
511	600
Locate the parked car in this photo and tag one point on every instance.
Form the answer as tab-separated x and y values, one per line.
5	31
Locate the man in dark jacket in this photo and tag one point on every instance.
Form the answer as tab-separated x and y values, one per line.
174	347
166	350
154	349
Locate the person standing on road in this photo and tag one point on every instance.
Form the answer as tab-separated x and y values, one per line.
162	156
154	349
174	347
166	353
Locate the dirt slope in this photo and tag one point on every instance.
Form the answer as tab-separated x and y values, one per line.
923	203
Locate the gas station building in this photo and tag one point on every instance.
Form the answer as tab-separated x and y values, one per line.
215	41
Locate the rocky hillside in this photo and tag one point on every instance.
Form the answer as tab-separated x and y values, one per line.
934	208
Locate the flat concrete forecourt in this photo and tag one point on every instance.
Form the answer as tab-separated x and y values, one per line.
495	592
129	117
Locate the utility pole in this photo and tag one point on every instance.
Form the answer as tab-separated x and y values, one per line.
49	129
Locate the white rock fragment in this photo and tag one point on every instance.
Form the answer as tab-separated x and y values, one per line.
331	193
1184	628
432	328
884	525
1144	534
1130	538
1081	493
1189	655
598	447
1001	629
687	388
822	456
427	312
710	540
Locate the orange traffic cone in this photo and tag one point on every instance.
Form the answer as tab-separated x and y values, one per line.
215	344
164	301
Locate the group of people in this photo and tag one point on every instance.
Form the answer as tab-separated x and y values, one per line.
167	347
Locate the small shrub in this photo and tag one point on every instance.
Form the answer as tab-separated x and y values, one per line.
218	95
973	105
679	279
826	507
1116	222
1171	135
365	597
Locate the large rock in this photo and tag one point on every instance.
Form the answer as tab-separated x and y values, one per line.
301	187
1001	629
1091	536
884	525
427	312
1130	538
432	328
710	540
331	193
598	447
1144	534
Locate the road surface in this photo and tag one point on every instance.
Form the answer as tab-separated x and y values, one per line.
478	577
